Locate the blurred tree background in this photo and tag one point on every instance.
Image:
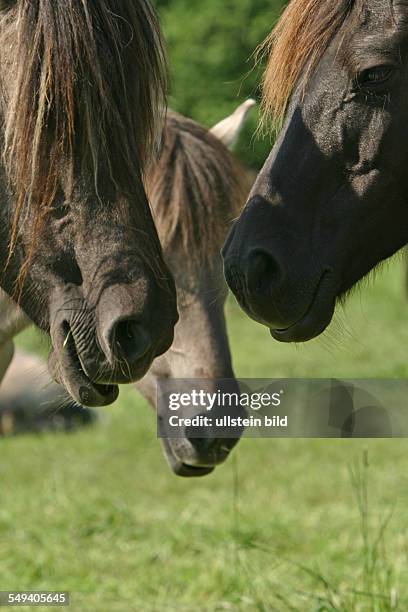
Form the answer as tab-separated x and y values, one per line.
210	45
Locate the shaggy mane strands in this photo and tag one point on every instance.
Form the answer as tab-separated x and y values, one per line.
88	90
298	42
196	189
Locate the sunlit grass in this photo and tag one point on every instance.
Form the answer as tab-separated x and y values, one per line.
277	528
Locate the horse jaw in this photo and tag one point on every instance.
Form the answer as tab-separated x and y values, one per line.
230	128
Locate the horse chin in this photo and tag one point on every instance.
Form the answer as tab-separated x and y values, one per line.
317	317
312	325
67	371
181	469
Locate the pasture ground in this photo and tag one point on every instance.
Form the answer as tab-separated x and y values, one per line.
284	525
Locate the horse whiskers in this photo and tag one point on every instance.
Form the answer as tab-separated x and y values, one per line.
225	449
218	299
122	362
69	334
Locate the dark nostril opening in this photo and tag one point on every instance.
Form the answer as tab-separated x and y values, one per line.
263	273
209	449
201	445
131	339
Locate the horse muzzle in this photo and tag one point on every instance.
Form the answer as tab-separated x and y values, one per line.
96	349
196	457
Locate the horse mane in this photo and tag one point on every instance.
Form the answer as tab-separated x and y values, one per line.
296	44
196	189
89	86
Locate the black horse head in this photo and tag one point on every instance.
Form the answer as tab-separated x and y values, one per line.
331	200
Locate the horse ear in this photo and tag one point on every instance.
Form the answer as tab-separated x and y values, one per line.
229	129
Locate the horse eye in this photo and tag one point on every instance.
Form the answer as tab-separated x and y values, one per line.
374	76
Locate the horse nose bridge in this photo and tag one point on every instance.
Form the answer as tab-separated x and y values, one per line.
201	347
264	220
204	361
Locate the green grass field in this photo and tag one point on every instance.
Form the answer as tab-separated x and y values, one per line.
284	525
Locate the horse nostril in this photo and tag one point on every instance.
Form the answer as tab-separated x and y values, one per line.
210	451
131	340
262	273
202	445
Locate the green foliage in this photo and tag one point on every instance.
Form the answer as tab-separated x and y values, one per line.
210	47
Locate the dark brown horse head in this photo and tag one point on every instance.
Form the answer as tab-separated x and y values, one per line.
82	86
196	190
331	200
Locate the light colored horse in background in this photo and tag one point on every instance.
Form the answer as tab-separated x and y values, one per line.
196	189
